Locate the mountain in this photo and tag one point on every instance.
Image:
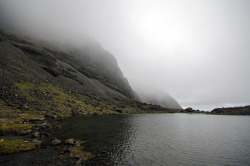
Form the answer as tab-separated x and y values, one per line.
57	79
158	97
43	77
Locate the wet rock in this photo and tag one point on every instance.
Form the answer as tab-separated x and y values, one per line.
54	117
36	141
2	133
59	118
118	110
70	141
23	132
75	112
56	142
43	126
25	107
58	127
68	105
49	115
36	135
92	113
47	135
37	120
112	113
67	150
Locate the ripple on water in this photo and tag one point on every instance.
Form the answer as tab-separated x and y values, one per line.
163	139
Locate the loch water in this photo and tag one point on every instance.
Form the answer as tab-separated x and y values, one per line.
164	139
157	139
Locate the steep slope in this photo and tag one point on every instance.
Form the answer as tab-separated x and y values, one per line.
158	97
41	78
34	76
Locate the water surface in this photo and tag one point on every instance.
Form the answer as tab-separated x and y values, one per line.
164	139
151	139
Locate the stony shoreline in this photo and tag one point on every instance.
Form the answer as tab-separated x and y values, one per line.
32	132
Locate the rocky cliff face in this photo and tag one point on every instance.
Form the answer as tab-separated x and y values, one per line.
65	80
44	77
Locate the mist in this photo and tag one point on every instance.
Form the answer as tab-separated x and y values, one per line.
197	50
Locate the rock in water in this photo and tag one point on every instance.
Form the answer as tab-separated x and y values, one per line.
56	142
36	141
36	135
70	141
23	132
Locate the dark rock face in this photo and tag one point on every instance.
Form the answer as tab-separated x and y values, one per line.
64	80
88	70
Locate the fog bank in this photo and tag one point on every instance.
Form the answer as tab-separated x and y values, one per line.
197	50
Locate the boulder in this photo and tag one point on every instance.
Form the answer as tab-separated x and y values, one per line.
36	141
36	134
23	132
37	120
56	142
2	133
43	126
70	141
118	110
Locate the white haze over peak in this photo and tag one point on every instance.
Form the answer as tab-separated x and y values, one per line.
197	50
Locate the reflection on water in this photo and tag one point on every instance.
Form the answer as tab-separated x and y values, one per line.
150	139
164	139
109	137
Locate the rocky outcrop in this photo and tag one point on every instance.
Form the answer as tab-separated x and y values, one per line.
232	111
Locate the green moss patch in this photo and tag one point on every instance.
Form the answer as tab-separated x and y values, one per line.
12	127
78	153
9	147
60	102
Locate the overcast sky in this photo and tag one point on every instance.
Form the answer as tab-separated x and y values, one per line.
196	50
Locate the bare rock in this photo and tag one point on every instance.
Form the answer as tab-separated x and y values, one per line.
56	142
70	141
36	135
